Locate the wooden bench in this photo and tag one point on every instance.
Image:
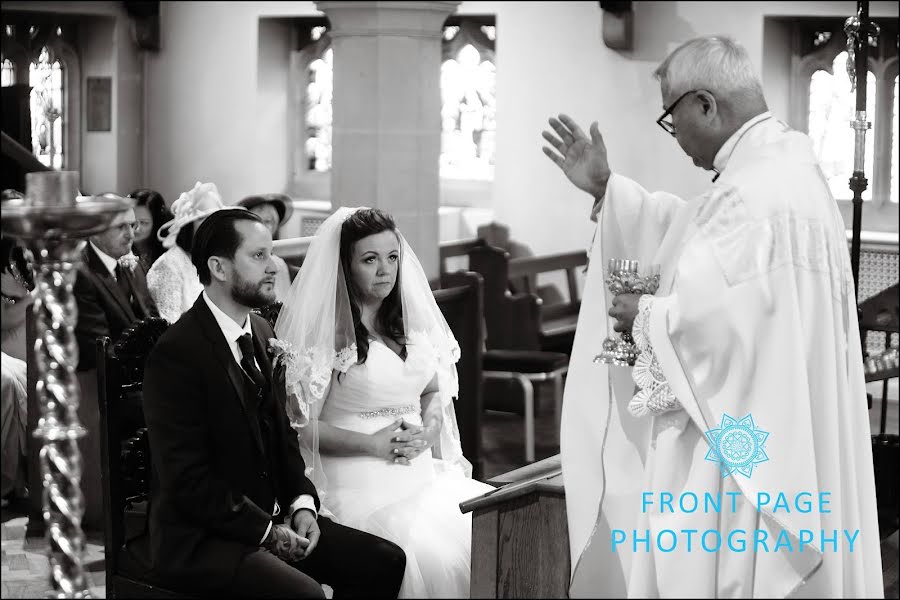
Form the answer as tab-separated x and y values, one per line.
126	464
455	249
460	301
521	321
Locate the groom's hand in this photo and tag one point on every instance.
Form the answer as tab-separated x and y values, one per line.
305	525
286	544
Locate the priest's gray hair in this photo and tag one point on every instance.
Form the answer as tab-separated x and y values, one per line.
714	63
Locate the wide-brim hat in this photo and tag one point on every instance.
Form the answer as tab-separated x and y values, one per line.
197	203
282	203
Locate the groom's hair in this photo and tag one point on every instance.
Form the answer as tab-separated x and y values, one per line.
217	236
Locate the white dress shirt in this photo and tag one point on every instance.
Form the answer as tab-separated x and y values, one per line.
108	261
232	332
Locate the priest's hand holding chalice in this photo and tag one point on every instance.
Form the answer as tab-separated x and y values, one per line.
627	281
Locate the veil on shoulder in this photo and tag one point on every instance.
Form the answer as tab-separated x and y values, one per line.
316	336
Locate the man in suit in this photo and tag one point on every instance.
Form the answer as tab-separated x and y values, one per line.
231	509
111	294
110	290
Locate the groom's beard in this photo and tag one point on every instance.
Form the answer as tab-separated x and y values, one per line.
253	295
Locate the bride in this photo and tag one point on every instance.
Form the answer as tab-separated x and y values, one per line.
371	377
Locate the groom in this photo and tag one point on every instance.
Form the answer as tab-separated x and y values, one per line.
231	509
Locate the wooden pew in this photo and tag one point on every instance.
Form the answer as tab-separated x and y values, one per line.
460	301
457	248
521	321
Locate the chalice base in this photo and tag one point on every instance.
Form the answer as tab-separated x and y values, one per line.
619	352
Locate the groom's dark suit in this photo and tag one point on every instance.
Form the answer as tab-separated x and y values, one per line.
223	452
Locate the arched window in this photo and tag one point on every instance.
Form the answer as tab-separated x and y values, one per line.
39	53
9	73
48	118
468	101
895	141
832	105
823	104
319	88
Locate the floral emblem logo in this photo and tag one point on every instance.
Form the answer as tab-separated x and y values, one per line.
738	445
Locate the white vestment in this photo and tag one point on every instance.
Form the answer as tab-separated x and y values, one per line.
755	315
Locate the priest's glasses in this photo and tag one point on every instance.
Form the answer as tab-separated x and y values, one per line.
625	276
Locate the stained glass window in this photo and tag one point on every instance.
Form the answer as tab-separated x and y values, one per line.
832	105
46	80
318	110
469	106
894	142
9	73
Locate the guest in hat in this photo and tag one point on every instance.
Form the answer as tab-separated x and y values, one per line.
274	210
172	279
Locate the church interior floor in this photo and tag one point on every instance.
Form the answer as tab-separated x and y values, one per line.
26	570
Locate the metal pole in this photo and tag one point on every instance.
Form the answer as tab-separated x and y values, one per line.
858	29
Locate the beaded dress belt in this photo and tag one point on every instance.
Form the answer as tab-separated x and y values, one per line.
391	411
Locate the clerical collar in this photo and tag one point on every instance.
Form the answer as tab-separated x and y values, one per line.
727	149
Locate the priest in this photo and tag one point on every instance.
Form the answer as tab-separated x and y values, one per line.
749	386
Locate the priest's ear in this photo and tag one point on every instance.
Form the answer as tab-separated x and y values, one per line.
707	102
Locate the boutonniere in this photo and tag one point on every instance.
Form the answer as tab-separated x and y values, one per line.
287	366
129	261
284	358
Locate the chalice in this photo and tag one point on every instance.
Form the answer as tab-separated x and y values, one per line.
625	276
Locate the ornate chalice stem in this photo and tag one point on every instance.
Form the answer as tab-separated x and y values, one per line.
56	352
54	223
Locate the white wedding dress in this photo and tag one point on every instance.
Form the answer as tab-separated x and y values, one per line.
415	506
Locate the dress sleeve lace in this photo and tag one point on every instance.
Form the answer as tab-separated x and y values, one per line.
654	396
165	283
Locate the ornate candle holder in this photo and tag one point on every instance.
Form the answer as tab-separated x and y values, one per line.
54	225
626	277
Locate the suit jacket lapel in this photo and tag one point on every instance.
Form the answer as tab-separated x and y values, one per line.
222	351
106	279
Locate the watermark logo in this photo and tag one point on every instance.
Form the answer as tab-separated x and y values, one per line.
737	445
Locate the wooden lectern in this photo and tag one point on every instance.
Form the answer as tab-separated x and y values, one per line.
520	536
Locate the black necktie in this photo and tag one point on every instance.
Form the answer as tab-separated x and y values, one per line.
125	286
248	362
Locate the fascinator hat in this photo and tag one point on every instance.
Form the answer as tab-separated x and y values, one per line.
316	338
195	204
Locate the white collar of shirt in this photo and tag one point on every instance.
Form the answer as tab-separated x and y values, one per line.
231	330
108	261
727	149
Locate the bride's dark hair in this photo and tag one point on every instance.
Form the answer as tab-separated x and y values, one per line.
389	319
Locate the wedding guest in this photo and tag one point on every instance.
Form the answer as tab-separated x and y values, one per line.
17	283
110	289
173	278
151	213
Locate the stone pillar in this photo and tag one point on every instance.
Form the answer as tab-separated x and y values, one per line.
386	131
